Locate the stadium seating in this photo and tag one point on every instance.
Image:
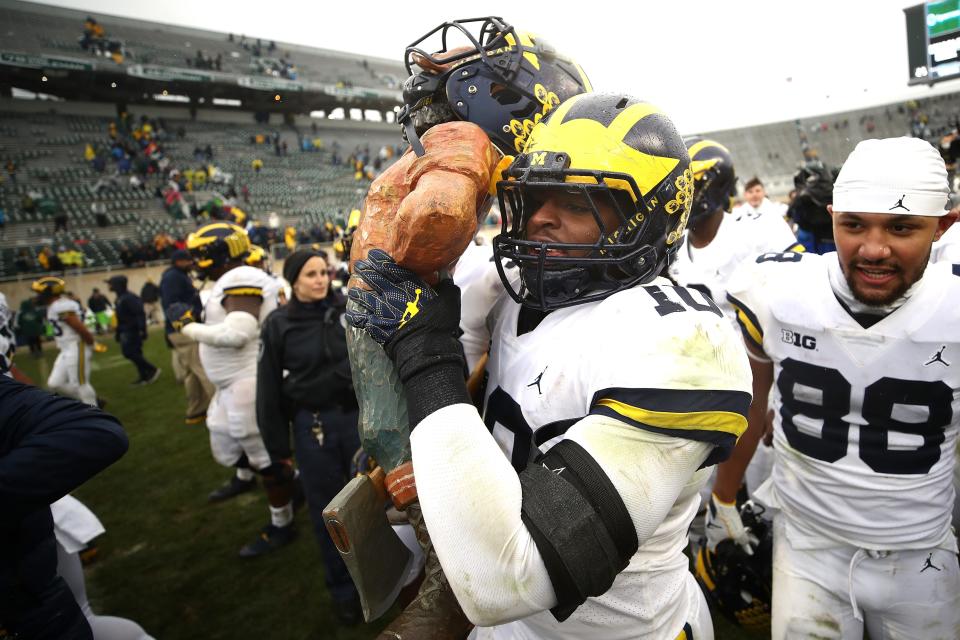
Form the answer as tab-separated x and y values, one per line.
304	188
34	29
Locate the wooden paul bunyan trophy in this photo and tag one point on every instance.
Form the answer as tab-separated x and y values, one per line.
423	211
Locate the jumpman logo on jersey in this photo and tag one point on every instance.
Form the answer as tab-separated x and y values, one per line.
560	470
537	381
928	564
938	357
899	204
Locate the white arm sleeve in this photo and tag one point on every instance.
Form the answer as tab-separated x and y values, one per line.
471	498
237	329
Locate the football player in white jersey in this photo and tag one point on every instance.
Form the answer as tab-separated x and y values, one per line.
716	242
757	203
863	347
610	391
71	370
229	336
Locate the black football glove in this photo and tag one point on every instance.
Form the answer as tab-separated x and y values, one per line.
180	315
417	326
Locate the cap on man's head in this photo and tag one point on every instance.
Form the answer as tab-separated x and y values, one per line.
899	176
113	281
180	254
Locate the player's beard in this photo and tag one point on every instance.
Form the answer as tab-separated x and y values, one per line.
883	298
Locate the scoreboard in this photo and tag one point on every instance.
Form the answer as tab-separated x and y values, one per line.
933	41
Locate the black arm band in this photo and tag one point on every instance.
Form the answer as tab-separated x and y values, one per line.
579	523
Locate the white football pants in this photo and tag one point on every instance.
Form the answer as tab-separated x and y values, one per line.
71	374
836	593
104	627
232	421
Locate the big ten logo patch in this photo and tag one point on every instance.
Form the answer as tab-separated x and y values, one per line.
521	128
798	339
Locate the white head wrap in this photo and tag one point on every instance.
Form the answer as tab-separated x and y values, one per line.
900	176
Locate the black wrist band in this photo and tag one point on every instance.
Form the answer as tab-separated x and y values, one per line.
434	388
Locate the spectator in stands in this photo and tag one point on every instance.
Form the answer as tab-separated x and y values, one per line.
99	211
3	223
132	330
12	171
98	304
24	262
150	295
757	201
70	257
127	257
49	261
176	285
257	164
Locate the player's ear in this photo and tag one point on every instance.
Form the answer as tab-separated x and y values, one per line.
945	222
830	210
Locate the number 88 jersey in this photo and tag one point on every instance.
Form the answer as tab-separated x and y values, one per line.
866	419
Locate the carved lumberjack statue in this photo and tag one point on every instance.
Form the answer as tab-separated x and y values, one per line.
467	110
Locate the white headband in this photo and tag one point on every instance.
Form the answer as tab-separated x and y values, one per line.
899	176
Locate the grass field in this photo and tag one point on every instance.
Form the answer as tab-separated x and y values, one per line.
168	559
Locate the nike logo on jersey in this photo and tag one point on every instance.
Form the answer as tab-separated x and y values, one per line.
938	358
928	564
899	204
537	381
710	525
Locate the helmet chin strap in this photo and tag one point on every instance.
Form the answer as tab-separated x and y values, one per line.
411	133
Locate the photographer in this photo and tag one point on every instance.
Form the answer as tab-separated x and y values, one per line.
304	382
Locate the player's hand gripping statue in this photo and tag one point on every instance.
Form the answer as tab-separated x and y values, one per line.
418	329
422	213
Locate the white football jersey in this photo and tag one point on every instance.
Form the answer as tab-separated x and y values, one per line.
8	338
63	333
480	288
637	356
866	419
741	236
767	208
947	248
223	365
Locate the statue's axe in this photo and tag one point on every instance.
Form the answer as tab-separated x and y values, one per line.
378	561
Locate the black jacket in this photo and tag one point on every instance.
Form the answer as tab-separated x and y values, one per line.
149	292
176	286
310	343
49	446
130	315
